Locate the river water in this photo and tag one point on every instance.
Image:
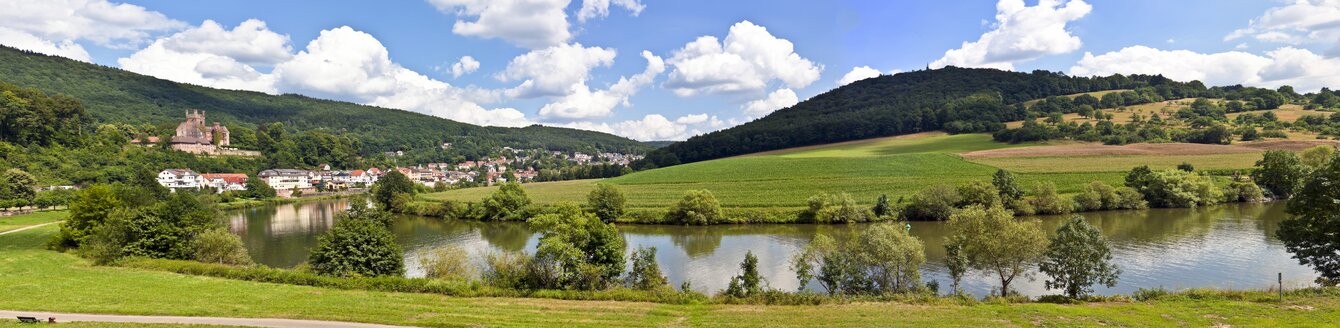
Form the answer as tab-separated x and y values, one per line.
1228	246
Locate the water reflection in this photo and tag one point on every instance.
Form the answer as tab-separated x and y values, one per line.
1229	246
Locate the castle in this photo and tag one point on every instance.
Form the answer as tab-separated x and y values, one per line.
193	136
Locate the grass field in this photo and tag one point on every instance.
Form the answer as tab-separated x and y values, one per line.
36	279
1119	164
897	166
8	223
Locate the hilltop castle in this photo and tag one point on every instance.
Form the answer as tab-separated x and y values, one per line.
193	136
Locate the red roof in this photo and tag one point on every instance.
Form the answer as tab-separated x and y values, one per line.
237	178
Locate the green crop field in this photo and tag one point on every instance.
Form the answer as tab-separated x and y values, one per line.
1119	163
897	167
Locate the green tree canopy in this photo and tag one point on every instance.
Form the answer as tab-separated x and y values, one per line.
607	201
995	242
1077	258
359	245
1312	235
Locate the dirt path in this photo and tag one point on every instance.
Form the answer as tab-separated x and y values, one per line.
246	322
31	227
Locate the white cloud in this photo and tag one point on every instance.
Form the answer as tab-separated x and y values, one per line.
651	127
692	119
527	23
344	63
781	98
109	24
210	55
464	66
555	70
857	74
23	40
1300	22
601	8
583	103
746	61
1301	68
1021	33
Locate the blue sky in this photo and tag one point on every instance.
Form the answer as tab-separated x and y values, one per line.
561	62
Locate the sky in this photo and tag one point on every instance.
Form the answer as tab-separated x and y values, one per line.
664	70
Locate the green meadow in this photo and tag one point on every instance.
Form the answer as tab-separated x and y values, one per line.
896	166
8	223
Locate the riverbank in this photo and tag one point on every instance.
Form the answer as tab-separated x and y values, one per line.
248	203
40	280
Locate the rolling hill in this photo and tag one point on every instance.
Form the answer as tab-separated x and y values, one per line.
113	95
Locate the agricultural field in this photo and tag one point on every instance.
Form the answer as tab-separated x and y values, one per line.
785	179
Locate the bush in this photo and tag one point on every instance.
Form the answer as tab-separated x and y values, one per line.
89	209
698	207
1174	188
1243	191
577	250
607	201
508	270
221	247
1099	196
933	203
358	246
749	282
979	193
1045	200
450	263
835	208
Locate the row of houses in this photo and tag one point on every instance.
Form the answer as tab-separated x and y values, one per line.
282	180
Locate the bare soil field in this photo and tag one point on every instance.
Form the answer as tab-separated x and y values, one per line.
1148	149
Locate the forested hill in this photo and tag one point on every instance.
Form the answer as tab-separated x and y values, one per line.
113	95
952	99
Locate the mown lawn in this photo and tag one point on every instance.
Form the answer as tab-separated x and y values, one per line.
8	223
897	167
36	279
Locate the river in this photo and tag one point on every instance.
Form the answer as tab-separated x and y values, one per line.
1227	246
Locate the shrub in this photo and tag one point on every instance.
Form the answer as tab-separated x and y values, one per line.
386	189
1279	172
978	193
835	208
1174	188
933	203
450	263
508	270
607	201
698	207
577	250
749	282
1100	196
219	246
358	246
1045	200
1243	191
882	207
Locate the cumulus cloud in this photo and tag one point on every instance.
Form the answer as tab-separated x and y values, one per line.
583	103
555	70
781	98
857	74
464	66
653	127
1300	68
601	8
213	56
1021	33
527	23
748	59
116	25
23	40
1300	22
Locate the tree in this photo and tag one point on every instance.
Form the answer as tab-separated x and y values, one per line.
1174	188
388	186
933	203
698	207
17	184
1316	157
607	201
645	273
1312	234
1007	185
88	211
819	260
956	262
507	203
1078	258
219	246
994	241
258	189
882	207
749	282
359	245
577	250
834	208
1279	172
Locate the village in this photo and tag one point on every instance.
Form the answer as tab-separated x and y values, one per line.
194	136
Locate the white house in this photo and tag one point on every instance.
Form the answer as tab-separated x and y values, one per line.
180	179
222	182
287	179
